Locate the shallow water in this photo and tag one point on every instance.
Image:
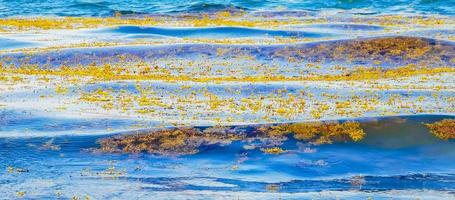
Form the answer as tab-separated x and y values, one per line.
397	155
217	32
115	68
10	44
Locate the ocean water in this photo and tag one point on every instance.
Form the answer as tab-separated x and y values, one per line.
398	159
118	68
10	8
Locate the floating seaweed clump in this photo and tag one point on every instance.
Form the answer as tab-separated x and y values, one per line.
168	142
183	141
384	48
319	132
273	150
444	129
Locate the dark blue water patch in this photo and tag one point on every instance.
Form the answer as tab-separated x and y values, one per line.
110	7
100	5
145	36
306	52
215	32
348	27
202	6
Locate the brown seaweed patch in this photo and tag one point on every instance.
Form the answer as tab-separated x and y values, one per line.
272	187
319	132
391	46
377	50
184	141
179	141
444	129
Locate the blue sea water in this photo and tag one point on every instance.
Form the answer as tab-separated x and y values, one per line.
10	8
397	155
54	156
